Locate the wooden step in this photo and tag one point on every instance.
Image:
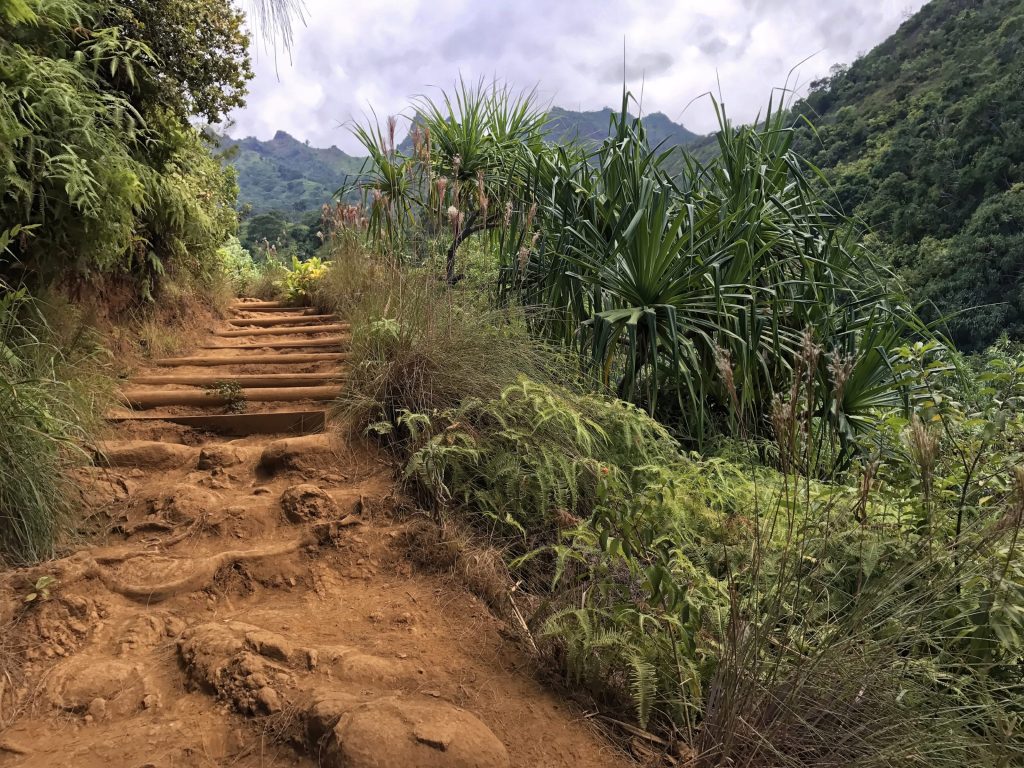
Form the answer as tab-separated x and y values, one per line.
320	357
262	304
305	422
243	380
287	330
261	309
264	322
330	341
158	398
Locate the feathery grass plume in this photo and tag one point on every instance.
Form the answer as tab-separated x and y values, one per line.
923	445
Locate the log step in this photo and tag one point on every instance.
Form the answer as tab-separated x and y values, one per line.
282	308
287	330
261	304
264	322
157	398
305	422
331	341
320	357
243	380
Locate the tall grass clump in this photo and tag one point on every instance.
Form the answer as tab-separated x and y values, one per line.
51	395
417	347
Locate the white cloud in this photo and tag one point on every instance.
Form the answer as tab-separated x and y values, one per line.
352	57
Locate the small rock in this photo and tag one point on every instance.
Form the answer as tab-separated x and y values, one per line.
298	453
219	456
268	699
257	680
151	701
305	502
261	491
98	708
270	644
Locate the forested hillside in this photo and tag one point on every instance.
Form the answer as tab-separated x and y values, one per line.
285	174
924	139
565	125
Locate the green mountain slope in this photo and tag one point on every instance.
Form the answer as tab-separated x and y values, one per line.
566	125
285	174
924	140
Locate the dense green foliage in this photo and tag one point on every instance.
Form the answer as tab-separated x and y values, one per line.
924	140
689	295
104	181
836	578
275	236
97	152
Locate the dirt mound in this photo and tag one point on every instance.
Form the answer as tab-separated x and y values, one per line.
398	732
304	502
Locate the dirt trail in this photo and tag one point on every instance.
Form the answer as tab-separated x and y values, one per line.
253	600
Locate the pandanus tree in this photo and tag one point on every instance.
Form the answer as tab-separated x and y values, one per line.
698	290
467	168
704	284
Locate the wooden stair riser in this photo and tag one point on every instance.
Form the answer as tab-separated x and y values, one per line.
335	342
267	322
143	399
293	330
223	360
306	422
243	380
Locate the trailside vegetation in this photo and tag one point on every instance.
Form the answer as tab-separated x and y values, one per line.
99	162
106	188
747	499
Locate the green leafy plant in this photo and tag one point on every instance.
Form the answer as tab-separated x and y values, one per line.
41	589
304	277
52	393
231	393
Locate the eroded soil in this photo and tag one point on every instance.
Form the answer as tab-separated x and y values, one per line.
252	601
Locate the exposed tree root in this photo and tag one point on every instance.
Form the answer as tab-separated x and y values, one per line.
92	565
201	575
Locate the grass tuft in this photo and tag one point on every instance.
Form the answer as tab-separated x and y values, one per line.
51	397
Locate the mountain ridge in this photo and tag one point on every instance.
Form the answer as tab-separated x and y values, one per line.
289	175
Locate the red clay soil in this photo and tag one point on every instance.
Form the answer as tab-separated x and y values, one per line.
253	602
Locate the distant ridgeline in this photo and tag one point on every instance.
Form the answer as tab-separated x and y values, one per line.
924	140
289	176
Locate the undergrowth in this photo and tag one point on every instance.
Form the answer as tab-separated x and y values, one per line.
52	391
739	611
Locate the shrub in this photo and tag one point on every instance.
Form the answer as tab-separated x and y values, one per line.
303	279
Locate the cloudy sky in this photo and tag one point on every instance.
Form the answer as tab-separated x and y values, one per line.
350	56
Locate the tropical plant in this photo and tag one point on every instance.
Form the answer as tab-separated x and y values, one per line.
472	151
96	140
